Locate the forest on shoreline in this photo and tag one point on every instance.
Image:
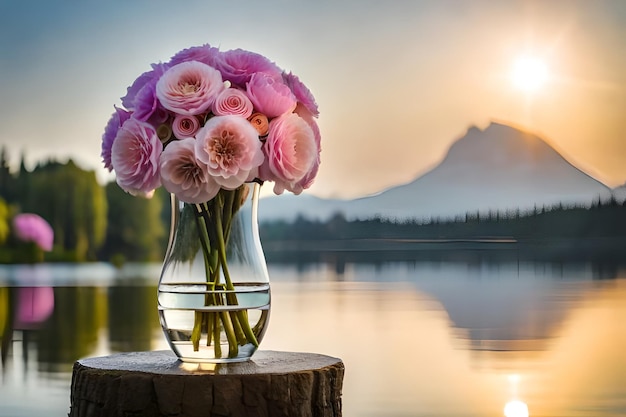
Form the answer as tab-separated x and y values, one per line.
103	223
560	233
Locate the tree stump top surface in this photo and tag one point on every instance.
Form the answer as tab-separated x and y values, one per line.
158	384
164	362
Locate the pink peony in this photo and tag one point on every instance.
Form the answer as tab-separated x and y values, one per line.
291	151
238	65
270	96
230	147
183	175
232	101
31	227
189	88
302	93
110	131
135	158
185	126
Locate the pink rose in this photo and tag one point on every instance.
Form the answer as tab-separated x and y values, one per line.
230	147
189	88
270	96
183	175
185	126
291	151
232	101
135	158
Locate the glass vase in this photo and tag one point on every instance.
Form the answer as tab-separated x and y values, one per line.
214	291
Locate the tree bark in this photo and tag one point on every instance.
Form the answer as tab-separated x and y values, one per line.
157	384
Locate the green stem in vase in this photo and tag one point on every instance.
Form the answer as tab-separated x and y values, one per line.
221	249
216	335
208	317
214	222
210	266
196	333
233	347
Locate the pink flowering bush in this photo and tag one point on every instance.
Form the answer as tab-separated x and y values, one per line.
31	227
229	118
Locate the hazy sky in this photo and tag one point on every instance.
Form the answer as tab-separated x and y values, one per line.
396	81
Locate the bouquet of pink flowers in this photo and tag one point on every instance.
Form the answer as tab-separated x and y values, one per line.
210	120
203	125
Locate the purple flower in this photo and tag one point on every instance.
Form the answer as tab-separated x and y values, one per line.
135	158
205	54
232	101
31	227
231	149
270	96
128	101
145	104
189	88
183	175
110	131
238	66
291	151
302	93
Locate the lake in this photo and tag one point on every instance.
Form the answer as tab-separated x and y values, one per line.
418	338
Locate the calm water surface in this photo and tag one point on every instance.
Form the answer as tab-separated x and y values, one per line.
417	338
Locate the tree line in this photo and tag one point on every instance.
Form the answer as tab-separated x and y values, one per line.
598	219
103	223
595	233
90	222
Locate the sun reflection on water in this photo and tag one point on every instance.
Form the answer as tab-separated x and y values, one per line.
515	407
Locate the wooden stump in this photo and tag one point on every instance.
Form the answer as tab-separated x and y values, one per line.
271	384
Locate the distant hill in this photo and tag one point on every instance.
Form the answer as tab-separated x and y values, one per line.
496	169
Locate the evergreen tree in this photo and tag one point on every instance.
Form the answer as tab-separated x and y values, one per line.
137	231
7	181
72	201
5	227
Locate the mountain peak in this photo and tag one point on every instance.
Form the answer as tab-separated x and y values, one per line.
495	127
499	145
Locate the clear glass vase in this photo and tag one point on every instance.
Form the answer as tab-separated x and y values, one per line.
214	291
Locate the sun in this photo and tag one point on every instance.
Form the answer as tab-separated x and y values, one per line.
529	74
516	408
